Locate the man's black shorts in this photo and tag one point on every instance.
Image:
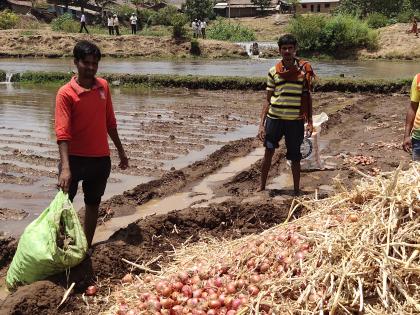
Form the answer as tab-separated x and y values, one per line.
93	172
292	130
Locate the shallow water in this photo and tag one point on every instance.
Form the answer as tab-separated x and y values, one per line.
370	69
200	195
160	129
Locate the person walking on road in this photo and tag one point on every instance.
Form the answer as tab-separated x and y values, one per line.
84	118
288	106
116	24
411	142
133	22
110	25
83	23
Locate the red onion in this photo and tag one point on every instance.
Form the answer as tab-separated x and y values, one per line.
231	288
253	290
187	291
236	303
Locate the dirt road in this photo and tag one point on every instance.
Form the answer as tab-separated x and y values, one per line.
360	124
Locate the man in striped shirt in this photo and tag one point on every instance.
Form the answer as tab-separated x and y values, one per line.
287	108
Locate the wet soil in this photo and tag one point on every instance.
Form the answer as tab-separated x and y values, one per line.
366	124
160	130
12	214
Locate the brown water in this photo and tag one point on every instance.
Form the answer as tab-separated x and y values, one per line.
200	195
160	129
367	69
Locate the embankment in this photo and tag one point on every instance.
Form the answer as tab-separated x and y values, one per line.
46	43
218	82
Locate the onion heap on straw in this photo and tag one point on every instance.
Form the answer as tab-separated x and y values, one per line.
357	251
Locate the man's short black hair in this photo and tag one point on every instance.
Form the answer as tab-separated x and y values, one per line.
287	39
85	48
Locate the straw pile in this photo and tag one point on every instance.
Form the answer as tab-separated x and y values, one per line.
357	251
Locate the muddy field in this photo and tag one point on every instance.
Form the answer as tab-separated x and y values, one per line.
161	130
229	206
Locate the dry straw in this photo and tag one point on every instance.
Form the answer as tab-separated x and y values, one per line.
360	254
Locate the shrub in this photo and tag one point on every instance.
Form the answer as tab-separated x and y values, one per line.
146	17
332	35
8	20
122	11
377	20
407	16
222	30
178	26
166	15
65	23
195	48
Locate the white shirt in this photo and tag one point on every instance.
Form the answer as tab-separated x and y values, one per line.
83	18
110	21
133	19
116	22
203	24
194	25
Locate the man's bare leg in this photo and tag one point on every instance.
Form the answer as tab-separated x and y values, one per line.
296	176
91	217
268	156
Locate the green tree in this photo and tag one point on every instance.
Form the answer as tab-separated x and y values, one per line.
199	9
262	4
389	8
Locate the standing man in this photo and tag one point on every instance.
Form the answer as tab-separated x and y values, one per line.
412	122
198	28
110	25
116	24
288	106
83	23
203	29
133	22
84	117
194	28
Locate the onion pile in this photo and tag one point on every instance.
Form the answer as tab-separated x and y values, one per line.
222	289
354	252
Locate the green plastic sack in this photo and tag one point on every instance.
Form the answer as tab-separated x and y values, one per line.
52	243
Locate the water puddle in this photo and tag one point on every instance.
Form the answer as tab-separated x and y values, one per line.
199	196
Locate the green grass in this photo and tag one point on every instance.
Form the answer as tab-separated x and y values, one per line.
2	76
218	82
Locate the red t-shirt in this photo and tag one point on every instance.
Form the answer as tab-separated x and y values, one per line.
83	118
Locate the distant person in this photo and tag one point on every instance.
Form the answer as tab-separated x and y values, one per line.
203	29
133	22
110	25
288	106
116	24
414	28
198	35
411	140
84	118
194	27
83	23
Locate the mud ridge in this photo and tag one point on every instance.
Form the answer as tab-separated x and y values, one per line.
174	181
143	241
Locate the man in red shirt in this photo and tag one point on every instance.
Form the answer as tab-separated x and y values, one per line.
84	117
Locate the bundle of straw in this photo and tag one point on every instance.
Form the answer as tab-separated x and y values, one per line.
357	251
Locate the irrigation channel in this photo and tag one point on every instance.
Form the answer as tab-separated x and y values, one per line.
369	69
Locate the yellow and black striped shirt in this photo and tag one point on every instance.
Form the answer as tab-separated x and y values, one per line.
287	97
